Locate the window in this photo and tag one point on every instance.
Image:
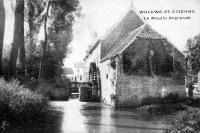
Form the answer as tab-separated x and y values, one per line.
80	77
78	70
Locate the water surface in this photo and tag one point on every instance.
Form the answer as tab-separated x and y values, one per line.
82	117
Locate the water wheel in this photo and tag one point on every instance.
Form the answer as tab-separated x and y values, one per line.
94	79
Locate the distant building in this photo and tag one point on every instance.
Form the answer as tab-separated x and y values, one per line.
78	71
75	74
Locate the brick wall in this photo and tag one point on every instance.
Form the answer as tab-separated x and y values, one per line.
131	90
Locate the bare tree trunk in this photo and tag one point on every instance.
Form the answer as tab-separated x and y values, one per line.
2	29
31	12
22	57
22	47
18	38
43	57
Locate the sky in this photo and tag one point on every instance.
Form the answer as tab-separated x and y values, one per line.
98	16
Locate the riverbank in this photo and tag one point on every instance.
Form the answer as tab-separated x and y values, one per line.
171	107
20	105
186	115
163	109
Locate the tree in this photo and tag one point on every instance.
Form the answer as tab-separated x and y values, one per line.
18	39
193	54
45	61
61	18
2	29
60	31
44	47
33	11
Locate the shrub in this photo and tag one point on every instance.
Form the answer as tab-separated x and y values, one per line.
169	104
18	103
164	109
187	122
193	102
171	98
52	91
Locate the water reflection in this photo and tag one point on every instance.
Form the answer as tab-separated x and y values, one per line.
52	124
76	117
73	119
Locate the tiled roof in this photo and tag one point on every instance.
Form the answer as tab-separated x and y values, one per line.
122	44
149	33
123	34
144	31
68	71
128	24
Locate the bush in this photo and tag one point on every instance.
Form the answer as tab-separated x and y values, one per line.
163	109
193	102
52	91
18	103
170	104
187	122
171	98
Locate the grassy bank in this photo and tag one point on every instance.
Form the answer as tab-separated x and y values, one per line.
19	104
54	92
186	112
170	104
186	122
55	89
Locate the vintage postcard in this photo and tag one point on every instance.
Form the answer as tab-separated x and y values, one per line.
100	66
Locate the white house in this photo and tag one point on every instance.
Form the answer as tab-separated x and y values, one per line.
78	71
75	73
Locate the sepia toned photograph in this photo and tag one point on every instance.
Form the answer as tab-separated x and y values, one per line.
99	66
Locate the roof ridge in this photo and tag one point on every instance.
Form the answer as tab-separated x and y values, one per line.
131	8
114	25
126	36
118	44
142	28
138	14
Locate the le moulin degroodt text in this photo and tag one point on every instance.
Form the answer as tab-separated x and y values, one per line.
168	12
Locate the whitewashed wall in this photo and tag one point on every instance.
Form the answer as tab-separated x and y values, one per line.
108	82
77	73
